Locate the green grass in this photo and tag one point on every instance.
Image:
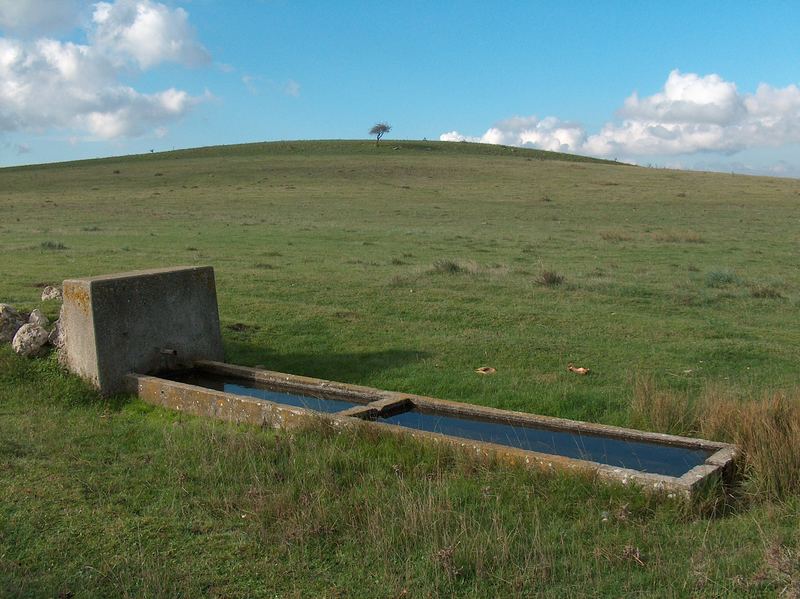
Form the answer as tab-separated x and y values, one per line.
120	499
402	267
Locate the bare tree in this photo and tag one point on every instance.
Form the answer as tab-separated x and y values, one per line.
379	130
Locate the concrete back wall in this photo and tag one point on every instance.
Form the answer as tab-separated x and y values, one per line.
121	323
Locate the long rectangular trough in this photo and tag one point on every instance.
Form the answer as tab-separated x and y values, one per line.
656	462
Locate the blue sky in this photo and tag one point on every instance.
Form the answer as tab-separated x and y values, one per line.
692	85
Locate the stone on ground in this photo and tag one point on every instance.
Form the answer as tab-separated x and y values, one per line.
10	322
37	317
30	340
51	293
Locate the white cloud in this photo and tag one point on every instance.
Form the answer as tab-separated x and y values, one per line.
147	32
456	136
688	98
46	83
701	114
691	114
127	113
548	134
38	15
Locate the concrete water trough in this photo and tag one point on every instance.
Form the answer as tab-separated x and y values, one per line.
156	334
240	394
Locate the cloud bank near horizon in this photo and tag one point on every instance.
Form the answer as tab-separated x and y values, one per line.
46	83
691	114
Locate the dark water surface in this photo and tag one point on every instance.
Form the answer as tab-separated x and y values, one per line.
239	386
644	456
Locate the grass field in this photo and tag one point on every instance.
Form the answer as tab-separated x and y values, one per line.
405	267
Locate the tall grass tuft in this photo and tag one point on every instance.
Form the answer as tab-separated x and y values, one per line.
449	267
766	429
765	291
470	267
663	410
615	235
52	245
550	278
722	278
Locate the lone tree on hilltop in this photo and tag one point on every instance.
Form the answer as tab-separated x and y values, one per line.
379	130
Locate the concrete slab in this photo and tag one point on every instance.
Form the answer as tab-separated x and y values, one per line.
139	321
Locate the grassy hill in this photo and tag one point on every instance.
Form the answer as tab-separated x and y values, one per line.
405	266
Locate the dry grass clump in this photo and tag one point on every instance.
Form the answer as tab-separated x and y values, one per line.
451	267
678	237
765	291
550	278
448	267
766	429
52	245
663	410
768	432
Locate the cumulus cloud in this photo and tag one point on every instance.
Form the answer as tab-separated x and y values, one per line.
46	83
687	98
38	16
701	114
691	114
547	134
147	32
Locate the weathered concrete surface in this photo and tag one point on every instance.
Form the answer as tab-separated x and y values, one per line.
133	322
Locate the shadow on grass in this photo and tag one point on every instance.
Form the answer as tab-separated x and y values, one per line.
346	367
45	378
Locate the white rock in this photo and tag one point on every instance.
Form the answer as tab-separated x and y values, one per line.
37	317
51	293
56	337
10	322
30	340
